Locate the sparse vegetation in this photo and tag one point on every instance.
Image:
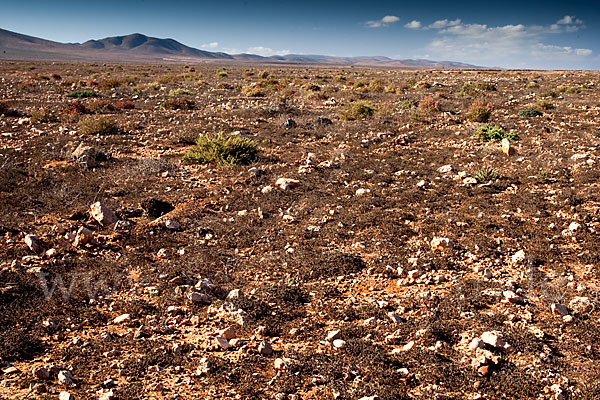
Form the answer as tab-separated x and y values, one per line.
43	115
487	133
530	112
569	89
429	104
357	110
545	104
81	94
178	92
222	149
486	174
98	126
479	111
407	105
222	74
178	103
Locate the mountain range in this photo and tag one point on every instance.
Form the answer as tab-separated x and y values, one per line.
138	48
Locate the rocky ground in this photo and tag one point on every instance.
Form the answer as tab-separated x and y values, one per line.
400	257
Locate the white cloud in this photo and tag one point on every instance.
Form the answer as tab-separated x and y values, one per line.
444	23
413	24
505	45
211	45
266	51
385	21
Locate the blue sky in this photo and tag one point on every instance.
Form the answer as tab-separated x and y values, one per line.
513	34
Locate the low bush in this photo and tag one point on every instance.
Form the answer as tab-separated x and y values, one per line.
487	133
222	149
81	94
43	115
479	111
486	174
98	126
177	103
177	92
529	112
429	104
222	74
358	110
545	104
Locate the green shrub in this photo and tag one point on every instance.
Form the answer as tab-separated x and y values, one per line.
358	110
222	74
99	125
311	87
533	85
43	115
470	89
529	112
479	111
419	116
487	133
407	105
263	74
80	94
222	149
176	92
486	174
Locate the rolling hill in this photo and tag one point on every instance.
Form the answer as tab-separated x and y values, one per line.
138	48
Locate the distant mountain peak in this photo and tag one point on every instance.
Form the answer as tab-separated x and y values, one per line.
138	47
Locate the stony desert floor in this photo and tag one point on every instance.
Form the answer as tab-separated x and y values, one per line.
402	256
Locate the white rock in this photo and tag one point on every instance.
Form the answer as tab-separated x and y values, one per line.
65	396
339	343
494	339
362	191
444	169
408	346
574	226
110	395
519	257
287	183
122	318
507	147
581	305
65	378
332	335
512	297
33	242
267	189
469	181
475	344
440	244
102	214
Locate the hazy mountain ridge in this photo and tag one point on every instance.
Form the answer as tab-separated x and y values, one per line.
141	48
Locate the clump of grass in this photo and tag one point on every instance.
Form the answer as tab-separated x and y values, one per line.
479	111
545	104
253	91
419	116
167	79
569	89
81	94
176	92
407	105
543	175
486	174
549	93
530	112
358	110
224	85
177	103
113	83
487	133
43	115
222	74
98	126
263	74
222	149
533	85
